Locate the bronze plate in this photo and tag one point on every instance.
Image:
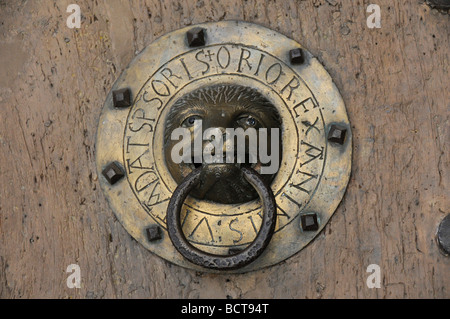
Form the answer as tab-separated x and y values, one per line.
316	155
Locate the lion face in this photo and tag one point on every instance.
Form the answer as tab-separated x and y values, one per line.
220	106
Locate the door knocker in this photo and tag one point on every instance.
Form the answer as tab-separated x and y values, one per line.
224	147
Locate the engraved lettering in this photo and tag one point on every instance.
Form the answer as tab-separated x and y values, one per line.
231	61
306	104
160	88
149	178
253	224
310	152
236	230
144	119
151	183
133	144
134	130
137	163
151	100
204	219
283	213
259	64
186	69
209	55
275	74
311	126
227	57
155	195
291	87
292	200
185	217
206	63
167	74
242	58
299	186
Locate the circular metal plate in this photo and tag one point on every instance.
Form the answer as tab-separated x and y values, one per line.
316	141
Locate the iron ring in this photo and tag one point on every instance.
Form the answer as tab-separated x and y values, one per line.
221	262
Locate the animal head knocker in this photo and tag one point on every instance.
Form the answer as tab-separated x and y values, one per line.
222	107
224	146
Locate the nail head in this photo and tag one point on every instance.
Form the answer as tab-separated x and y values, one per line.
196	37
122	98
309	222
113	172
154	233
337	134
296	56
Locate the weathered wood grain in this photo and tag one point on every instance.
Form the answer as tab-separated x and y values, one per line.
53	82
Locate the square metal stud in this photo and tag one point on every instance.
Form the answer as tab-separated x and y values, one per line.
337	134
122	98
113	172
296	56
196	37
154	233
309	222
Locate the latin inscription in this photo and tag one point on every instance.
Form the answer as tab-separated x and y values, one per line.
229	228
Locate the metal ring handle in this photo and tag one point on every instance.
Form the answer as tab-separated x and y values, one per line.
221	262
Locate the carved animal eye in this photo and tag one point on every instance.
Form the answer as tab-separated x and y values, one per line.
189	122
248	121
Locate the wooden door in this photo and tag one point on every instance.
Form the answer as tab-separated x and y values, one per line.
54	80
